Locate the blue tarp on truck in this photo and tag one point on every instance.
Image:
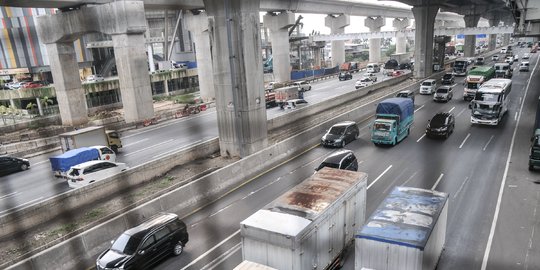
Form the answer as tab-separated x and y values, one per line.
73	157
399	106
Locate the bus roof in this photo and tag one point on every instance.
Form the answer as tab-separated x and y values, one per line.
482	69
495	85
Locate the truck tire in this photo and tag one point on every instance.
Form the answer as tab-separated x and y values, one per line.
343	144
531	167
114	148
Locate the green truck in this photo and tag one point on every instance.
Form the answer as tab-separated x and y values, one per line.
393	119
534	156
475	78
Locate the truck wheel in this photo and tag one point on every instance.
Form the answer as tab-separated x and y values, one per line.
24	167
114	148
394	142
343	144
531	167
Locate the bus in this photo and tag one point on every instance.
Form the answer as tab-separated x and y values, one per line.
491	102
461	66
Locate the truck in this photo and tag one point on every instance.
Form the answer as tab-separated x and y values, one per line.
406	232
90	136
62	163
287	233
270	98
390	66
475	78
349	66
461	66
285	93
393	120
247	265
534	155
503	70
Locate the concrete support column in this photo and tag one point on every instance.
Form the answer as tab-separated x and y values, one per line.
40	108
470	40
401	42
493	37
132	66
151	63
12	104
424	17
374	25
317	56
506	39
234	30
198	26
69	93
278	25
166	87
337	26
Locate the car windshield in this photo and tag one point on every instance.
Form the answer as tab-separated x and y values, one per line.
337	130
426	84
472	85
329	165
402	95
442	90
75	172
126	244
447	76
382	126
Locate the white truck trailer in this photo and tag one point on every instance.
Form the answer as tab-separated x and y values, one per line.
311	225
406	232
90	136
247	265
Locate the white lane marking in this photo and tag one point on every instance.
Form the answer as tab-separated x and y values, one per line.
419	108
146	148
210	250
9	195
37	163
451	109
379	177
177	149
21	205
405	183
485	146
437	183
461	112
519	100
421	137
531	238
461	145
221	258
461	187
139	141
503	183
516	116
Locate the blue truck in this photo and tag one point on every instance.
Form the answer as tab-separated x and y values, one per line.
62	163
393	120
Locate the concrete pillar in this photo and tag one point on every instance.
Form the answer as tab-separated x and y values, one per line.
235	35
317	56
151	63
166	87
132	66
424	17
337	26
374	25
67	84
506	39
12	104
469	47
493	37
198	26
40	108
401	42
166	36
278	26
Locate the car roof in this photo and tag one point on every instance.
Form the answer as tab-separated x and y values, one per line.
151	223
337	156
429	80
344	123
405	91
444	87
89	163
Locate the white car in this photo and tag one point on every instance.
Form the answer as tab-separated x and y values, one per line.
516	58
92	171
509	60
524	66
296	103
503	50
94	78
526	56
363	82
495	58
302	85
371	76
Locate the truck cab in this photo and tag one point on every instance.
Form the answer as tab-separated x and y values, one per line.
393	119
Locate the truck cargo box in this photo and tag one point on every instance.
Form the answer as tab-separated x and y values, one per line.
247	265
63	162
398	106
286	93
83	137
310	225
406	232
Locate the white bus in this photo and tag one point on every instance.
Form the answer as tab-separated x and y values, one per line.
491	102
461	67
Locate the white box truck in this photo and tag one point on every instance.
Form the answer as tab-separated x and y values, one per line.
311	225
90	136
406	232
247	265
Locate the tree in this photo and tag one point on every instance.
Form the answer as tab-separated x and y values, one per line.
46	101
31	106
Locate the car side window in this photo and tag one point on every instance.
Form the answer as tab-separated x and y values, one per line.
162	233
106	150
92	169
107	165
148	242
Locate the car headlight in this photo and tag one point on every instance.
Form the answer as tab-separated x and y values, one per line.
338	140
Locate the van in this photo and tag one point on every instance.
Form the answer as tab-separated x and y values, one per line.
427	87
480	60
373	68
524	66
143	246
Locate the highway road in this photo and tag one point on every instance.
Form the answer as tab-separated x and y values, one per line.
142	145
470	166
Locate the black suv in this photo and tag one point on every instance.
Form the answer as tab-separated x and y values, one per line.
345	75
441	125
343	159
13	164
448	79
340	134
143	246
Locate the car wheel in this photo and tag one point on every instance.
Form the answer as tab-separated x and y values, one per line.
24	167
309	88
178	248
343	144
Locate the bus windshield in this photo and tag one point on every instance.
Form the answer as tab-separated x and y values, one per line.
487	97
485	109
